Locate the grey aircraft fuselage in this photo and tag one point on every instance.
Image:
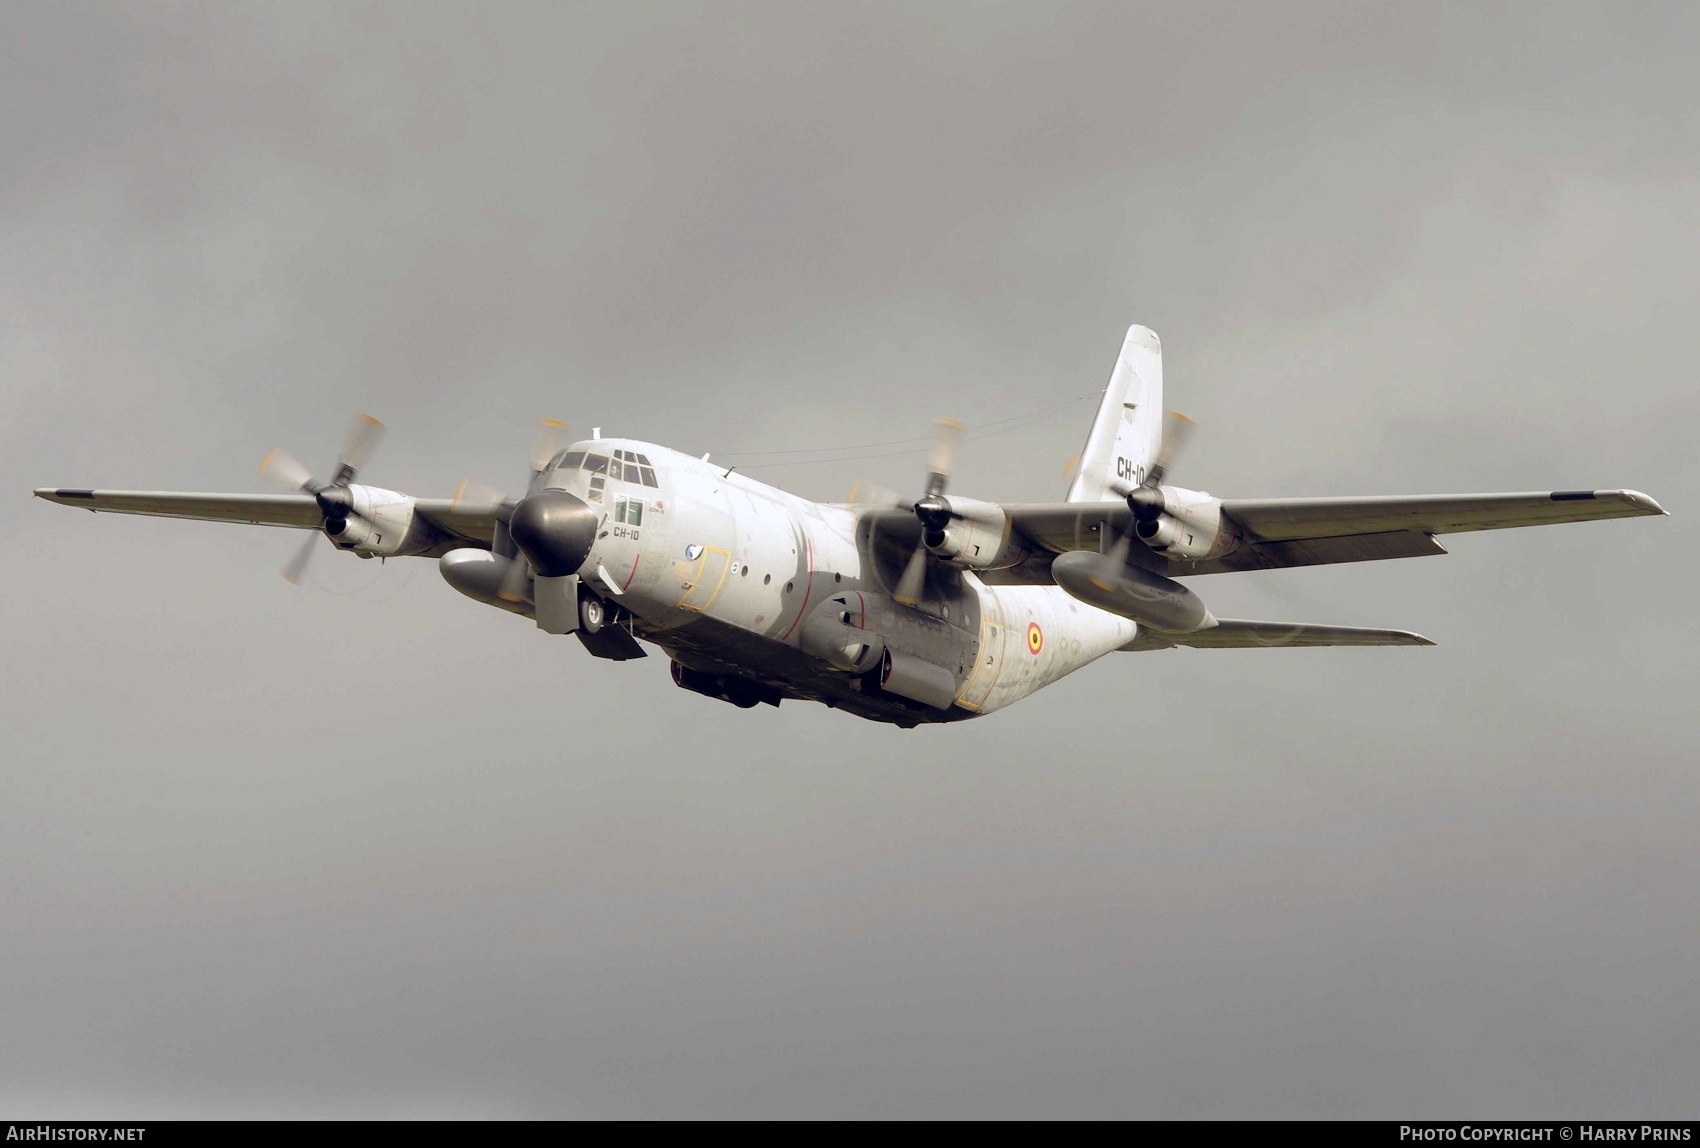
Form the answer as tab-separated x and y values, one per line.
741	581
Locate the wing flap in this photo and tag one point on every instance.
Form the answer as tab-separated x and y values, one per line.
1232	634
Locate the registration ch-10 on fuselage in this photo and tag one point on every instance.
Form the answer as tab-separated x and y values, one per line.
932	609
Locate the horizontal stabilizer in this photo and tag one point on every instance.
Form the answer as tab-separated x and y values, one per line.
1230	634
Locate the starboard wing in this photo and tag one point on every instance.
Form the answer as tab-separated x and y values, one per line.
297	511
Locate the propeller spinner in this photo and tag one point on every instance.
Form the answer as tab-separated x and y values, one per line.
1146	501
550	531
931	511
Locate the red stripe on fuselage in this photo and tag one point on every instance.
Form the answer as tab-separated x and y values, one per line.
807	586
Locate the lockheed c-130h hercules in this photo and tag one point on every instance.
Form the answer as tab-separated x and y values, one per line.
931	610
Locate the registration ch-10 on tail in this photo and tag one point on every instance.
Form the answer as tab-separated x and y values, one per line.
931	610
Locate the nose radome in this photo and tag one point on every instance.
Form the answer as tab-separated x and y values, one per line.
555	530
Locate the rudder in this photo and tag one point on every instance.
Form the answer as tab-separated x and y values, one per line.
1128	431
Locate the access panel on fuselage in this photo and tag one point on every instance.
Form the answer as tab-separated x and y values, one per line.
988	660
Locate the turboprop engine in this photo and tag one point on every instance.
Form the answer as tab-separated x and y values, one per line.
540	542
369	520
1182	524
552	533
372	521
1147	598
968	533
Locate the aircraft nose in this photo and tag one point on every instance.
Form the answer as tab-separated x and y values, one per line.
555	530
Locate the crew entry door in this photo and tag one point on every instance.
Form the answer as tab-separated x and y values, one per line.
704	578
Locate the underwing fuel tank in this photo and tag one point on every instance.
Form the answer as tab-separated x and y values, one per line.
1147	598
479	575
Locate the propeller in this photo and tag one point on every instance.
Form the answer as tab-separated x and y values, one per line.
517	579
549	439
931	511
1145	501
867	495
336	503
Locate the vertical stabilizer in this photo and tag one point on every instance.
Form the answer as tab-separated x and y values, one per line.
1129	428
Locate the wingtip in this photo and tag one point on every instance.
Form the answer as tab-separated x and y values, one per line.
1645	501
65	496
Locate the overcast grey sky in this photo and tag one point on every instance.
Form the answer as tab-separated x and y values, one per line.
368	848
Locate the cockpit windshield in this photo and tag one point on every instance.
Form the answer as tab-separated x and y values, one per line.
624	466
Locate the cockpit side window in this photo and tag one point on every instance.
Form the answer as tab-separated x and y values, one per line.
596	463
571	460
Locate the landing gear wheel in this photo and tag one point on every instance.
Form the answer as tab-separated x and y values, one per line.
592	614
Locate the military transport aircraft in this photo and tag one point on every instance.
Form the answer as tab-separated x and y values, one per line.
931	610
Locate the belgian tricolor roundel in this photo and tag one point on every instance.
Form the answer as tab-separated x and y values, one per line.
1035	638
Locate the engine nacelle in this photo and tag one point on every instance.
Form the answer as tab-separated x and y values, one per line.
480	575
978	536
383	525
1191	527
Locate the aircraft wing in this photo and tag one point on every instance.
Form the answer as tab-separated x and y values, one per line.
1229	634
299	511
1284	532
1271	519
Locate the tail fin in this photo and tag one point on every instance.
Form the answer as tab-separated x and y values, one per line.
1129	429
